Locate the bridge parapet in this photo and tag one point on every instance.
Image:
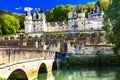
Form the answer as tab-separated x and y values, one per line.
11	56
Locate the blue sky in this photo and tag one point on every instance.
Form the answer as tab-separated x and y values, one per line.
18	5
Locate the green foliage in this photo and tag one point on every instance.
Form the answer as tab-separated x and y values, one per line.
58	13
3	79
104	34
104	4
12	38
35	36
78	36
30	37
9	24
83	34
18	37
112	23
0	30
97	34
61	35
55	35
89	34
48	35
4	12
98	60
24	37
21	18
42	36
6	38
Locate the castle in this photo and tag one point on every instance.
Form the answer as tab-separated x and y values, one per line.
36	22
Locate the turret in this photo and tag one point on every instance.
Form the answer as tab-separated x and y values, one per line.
38	15
28	21
81	13
28	14
90	14
97	12
70	14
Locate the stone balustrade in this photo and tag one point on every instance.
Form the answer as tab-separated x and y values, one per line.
10	56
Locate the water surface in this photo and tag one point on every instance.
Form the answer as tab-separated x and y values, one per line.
82	73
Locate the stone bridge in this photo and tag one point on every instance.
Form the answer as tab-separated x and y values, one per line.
24	63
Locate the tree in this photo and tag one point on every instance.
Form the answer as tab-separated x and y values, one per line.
103	4
9	24
59	13
4	12
21	18
112	24
0	30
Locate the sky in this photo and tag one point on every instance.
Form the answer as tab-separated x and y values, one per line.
19	5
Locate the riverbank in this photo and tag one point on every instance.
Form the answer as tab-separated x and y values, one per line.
96	60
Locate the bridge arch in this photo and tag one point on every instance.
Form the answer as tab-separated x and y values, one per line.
42	71
18	74
42	68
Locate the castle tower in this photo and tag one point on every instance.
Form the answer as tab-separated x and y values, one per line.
81	13
70	15
28	21
95	18
39	20
35	22
97	12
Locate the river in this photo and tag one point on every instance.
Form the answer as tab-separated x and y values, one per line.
82	73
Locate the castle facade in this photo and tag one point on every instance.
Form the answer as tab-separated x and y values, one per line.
36	22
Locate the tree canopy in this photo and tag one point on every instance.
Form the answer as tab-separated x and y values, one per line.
60	12
9	24
112	24
103	4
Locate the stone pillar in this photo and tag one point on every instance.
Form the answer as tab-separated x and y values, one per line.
68	46
22	43
36	44
102	40
58	46
43	44
87	41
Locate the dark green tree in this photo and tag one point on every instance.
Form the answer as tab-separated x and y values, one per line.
112	24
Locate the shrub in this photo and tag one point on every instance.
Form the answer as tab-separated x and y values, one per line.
35	36
98	60
24	37
18	37
61	35
55	35
30	37
42	36
12	38
48	35
6	38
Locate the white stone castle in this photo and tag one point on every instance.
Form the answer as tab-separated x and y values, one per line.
36	22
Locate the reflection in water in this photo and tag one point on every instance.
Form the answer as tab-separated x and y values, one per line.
82	73
45	76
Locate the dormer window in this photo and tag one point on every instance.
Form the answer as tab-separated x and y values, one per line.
75	24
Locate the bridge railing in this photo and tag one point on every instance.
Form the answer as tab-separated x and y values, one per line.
19	55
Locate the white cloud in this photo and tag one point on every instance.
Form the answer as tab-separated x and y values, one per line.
27	8
18	8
